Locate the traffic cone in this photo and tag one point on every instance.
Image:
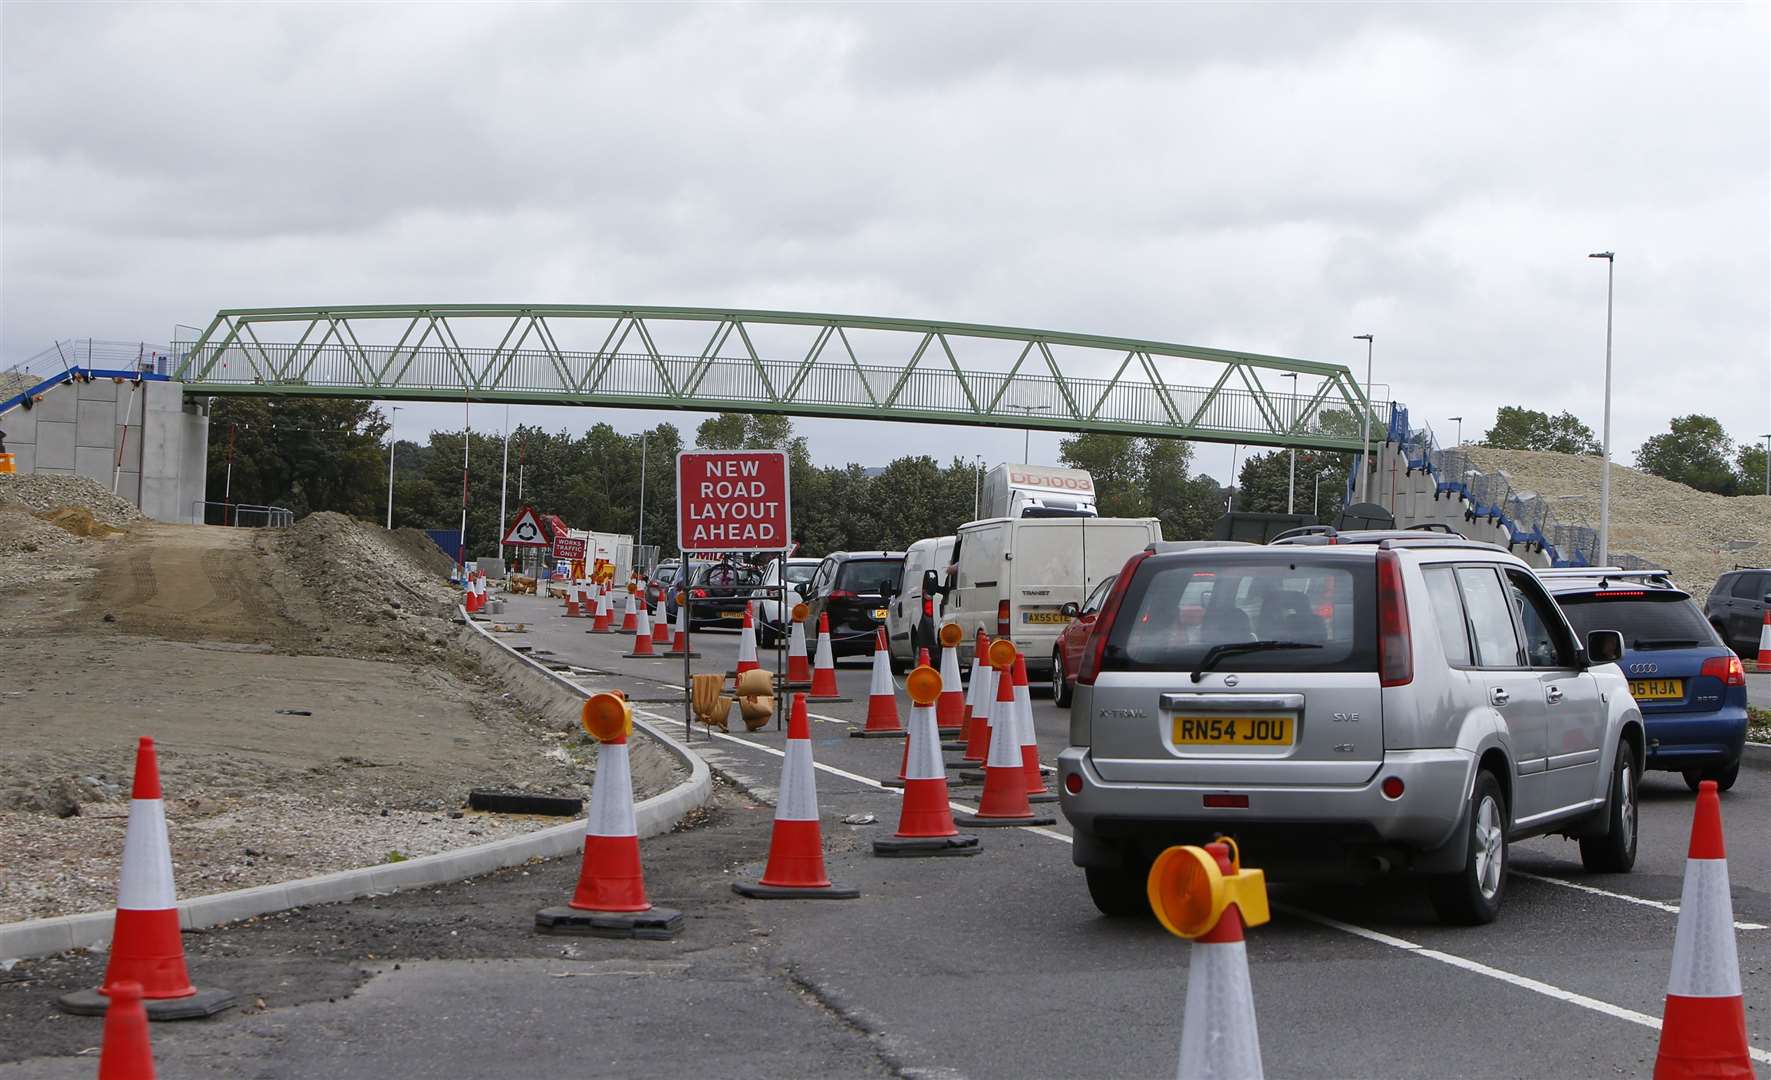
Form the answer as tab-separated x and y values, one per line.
126	1053
882	696
922	661
145	946
1703	1029
824	665
630	617
1205	895
799	666
660	623
642	631
1004	801
1036	790
572	594
747	641
679	645
1764	661
972	690
925	821
984	678
610	900
950	710
605	613
795	870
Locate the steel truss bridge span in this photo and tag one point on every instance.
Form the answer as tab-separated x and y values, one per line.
795	363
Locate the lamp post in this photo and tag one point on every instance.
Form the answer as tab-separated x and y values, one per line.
1291	476
1605	465
1767	438
978	489
1460	430
1230	504
391	443
1316	505
1365	422
1027	440
504	485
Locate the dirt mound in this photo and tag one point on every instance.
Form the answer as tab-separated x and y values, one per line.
79	521
362	570
1694	534
44	492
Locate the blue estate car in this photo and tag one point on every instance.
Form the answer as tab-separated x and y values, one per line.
1690	685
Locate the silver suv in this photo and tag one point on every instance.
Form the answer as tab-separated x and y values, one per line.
1406	704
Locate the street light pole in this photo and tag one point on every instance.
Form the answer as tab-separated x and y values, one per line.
640	535
391	443
1365	422
504	485
978	489
1605	466
1291	475
1027	440
1460	430
1767	438
1235	450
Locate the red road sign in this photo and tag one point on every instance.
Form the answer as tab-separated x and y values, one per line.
525	531
569	548
732	500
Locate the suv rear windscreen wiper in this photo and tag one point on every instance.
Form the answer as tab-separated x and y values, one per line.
1232	648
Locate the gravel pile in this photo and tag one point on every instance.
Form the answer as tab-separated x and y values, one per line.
44	492
1694	534
362	571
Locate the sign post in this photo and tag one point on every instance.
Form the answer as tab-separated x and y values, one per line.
730	502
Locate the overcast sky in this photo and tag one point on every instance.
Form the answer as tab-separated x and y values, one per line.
1267	177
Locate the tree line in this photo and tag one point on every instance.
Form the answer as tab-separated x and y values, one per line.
1695	450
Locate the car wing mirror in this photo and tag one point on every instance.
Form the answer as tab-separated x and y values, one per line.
1604	647
1070	610
888	588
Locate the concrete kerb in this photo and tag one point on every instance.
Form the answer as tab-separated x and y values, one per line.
1757	756
658	814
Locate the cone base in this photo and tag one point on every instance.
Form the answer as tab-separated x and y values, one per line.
194	1007
973	821
865	734
891	781
839	700
1042	796
653	924
971	776
953	747
902	847
680	656
950	733
756	890
643	655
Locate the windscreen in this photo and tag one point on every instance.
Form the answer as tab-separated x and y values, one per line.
864	575
1646	620
800	573
1176	611
730	576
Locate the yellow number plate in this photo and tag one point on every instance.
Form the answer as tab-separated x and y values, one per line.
1043	617
879	613
1232	731
731	614
1657	689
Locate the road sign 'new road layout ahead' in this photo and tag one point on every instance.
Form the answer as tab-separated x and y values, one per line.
732	500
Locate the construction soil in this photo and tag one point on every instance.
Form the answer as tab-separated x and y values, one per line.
315	707
1696	535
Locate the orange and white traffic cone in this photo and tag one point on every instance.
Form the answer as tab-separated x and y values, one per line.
925	821
630	616
605	612
145	946
610	900
679	644
824	665
1764	660
962	743
1004	801
922	661
795	869
126	1053
1036	790
799	666
1703	1029
642	633
1204	895
660	623
747	641
977	736
572	594
882	696
950	710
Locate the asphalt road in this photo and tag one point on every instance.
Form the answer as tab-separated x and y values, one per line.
1758	690
993	966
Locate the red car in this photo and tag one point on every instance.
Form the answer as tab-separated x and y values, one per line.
1067	653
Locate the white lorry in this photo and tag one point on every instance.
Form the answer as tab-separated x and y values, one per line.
1013	576
1033	491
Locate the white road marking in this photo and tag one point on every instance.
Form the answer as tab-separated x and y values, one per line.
1661	905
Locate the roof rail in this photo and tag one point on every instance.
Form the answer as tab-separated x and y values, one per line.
1453	542
1602	571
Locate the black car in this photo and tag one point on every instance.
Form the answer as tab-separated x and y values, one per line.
1736	608
717	593
852	588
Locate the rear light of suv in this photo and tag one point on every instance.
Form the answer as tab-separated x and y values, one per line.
1096	643
1395	645
843	594
1726	668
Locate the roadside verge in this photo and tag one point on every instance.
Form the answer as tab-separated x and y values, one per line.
660	813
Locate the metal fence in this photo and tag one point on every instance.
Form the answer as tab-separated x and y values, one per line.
243	515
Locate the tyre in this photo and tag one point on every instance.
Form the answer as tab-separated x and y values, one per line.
1060	681
1118	893
1723	776
1615	852
1472	896
1693	777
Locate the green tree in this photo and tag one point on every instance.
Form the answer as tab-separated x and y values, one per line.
1750	469
306	454
1187	506
1118	465
1695	451
1517	428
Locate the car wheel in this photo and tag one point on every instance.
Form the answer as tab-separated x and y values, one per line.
1615	852
1118	893
1472	896
1060	681
1724	778
1693	777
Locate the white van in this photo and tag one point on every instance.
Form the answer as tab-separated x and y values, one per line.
1014	575
904	623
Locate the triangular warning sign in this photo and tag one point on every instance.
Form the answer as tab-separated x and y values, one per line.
525	531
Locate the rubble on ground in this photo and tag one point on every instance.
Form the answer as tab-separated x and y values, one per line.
45	492
362	571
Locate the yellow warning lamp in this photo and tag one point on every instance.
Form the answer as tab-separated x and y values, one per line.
1189	891
952	635
1002	654
682	598
633	587
800	611
923	684
608	716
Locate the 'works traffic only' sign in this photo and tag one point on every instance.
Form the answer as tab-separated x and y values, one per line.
732	500
570	548
525	531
